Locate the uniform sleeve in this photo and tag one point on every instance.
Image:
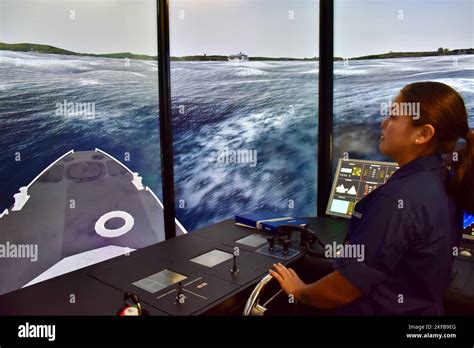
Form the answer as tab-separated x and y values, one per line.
382	234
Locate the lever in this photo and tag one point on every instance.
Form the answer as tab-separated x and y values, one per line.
307	237
235	269
284	231
180	298
271	245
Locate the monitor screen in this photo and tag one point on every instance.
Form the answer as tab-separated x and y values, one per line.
468	225
354	179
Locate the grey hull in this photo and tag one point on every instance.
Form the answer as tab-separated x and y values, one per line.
84	201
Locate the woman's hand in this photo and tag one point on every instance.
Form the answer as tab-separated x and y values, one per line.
288	279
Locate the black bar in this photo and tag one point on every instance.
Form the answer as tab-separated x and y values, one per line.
311	331
325	124
166	129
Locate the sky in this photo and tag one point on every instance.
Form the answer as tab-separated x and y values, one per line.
272	28
377	26
95	26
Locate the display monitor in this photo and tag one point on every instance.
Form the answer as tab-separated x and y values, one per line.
468	225
354	179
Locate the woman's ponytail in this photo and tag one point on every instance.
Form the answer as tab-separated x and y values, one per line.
461	183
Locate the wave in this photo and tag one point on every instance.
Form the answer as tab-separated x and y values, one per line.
138	74
249	72
89	82
246	82
464	85
255	64
313	71
31	60
430	72
350	72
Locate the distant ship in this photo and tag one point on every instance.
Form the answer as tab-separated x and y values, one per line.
84	208
238	57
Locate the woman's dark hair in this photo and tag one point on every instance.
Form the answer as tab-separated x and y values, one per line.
443	108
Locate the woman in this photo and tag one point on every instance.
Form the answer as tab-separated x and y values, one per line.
409	226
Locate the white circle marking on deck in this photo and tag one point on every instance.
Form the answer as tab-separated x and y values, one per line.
117	232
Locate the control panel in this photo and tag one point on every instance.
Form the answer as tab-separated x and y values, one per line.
197	276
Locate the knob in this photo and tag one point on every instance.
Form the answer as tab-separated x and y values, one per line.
271	245
180	298
286	246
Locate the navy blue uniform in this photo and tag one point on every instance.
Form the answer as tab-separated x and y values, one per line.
408	227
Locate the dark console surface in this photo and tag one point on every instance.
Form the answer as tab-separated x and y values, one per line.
193	274
189	274
197	274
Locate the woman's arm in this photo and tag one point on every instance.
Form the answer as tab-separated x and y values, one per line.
332	291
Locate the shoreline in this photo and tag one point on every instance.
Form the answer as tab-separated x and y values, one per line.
47	49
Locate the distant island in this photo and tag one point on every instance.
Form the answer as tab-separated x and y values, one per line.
211	58
28	47
440	52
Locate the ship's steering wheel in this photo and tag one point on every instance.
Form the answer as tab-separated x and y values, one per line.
253	307
308	238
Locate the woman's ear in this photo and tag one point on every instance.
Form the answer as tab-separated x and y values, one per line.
425	133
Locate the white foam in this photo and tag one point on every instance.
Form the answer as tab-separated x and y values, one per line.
408	69
255	64
44	61
245	81
233	134
350	72
250	72
88	82
429	72
314	71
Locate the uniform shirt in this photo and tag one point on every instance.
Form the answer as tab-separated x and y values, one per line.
408	228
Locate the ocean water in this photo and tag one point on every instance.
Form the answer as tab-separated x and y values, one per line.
125	123
269	108
362	86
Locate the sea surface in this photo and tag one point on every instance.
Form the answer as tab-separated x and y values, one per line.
266	108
